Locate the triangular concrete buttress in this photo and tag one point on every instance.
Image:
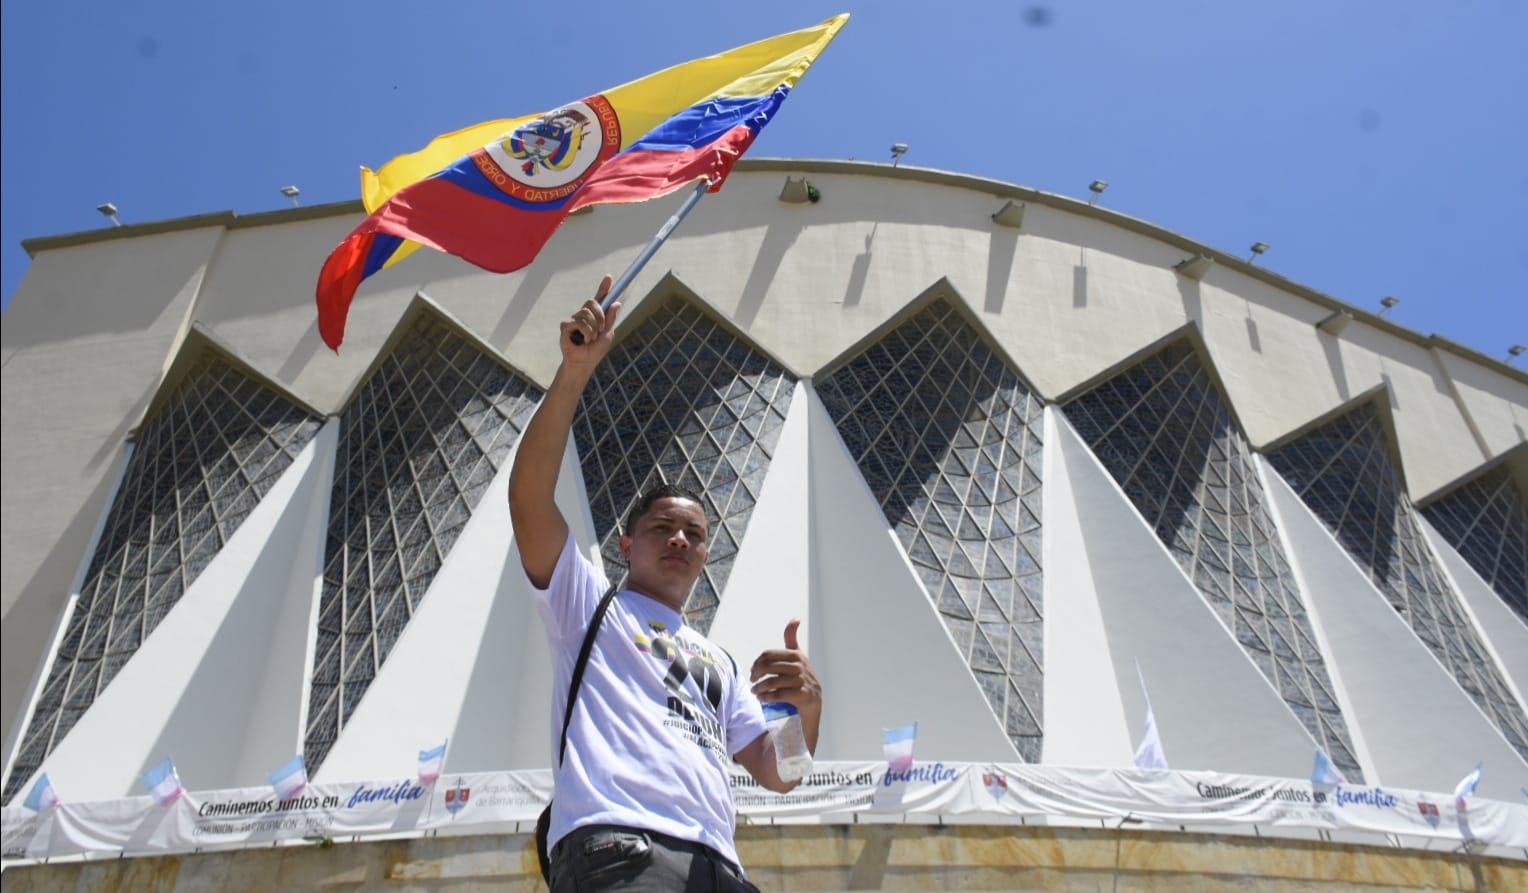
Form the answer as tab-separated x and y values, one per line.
897	664
1085	722
1503	631
1396	688
1213	707
473	666
218	684
771	580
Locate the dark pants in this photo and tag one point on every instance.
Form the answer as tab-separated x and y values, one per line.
597	858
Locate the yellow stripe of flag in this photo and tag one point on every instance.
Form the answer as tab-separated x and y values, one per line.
752	70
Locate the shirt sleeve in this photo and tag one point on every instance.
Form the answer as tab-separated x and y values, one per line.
570	597
744	717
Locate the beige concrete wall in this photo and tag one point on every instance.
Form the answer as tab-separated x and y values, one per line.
1495	405
88	335
815	858
1071	296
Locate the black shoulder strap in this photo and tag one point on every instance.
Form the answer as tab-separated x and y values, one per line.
578	667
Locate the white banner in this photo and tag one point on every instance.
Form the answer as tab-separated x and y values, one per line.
834	792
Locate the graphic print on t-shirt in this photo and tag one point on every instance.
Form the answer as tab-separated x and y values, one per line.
694	718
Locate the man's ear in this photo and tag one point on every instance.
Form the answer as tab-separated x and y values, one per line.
625	544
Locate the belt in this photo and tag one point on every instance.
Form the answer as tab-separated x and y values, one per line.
666	840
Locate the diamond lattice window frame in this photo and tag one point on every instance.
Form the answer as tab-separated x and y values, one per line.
635	429
963	497
169	519
1485	520
1207	506
401	496
1408	576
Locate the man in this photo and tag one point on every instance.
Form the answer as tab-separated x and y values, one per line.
642	798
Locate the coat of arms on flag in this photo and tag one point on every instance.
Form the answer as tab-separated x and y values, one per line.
996	784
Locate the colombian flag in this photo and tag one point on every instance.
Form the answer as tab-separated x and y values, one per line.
493	194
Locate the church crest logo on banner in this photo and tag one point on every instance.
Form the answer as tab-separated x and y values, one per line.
1429	812
996	784
456	798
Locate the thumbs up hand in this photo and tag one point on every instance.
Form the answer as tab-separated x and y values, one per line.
786	675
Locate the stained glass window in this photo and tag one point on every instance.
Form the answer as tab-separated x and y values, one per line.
1343	472
1486	521
418	447
1163	433
681	400
950	441
199	468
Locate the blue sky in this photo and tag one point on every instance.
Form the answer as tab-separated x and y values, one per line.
1379	148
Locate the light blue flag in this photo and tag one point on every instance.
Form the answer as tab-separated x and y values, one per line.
898	745
43	797
1149	755
291	778
431	762
1324	772
1466	787
164	782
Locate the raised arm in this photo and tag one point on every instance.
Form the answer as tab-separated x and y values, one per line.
540	529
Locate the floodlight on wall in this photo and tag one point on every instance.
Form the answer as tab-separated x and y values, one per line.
799	192
1335	322
291	192
1257	251
1195	267
1515	351
1010	214
1097	187
1387	302
110	210
897	151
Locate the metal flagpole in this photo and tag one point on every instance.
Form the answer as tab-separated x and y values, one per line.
641	260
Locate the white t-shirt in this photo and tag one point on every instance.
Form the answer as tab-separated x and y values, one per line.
657	718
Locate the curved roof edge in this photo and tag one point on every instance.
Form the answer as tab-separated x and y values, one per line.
996	188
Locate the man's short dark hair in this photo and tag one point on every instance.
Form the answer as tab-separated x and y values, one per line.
645	502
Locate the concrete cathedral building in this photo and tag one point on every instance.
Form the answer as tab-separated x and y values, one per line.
999	448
